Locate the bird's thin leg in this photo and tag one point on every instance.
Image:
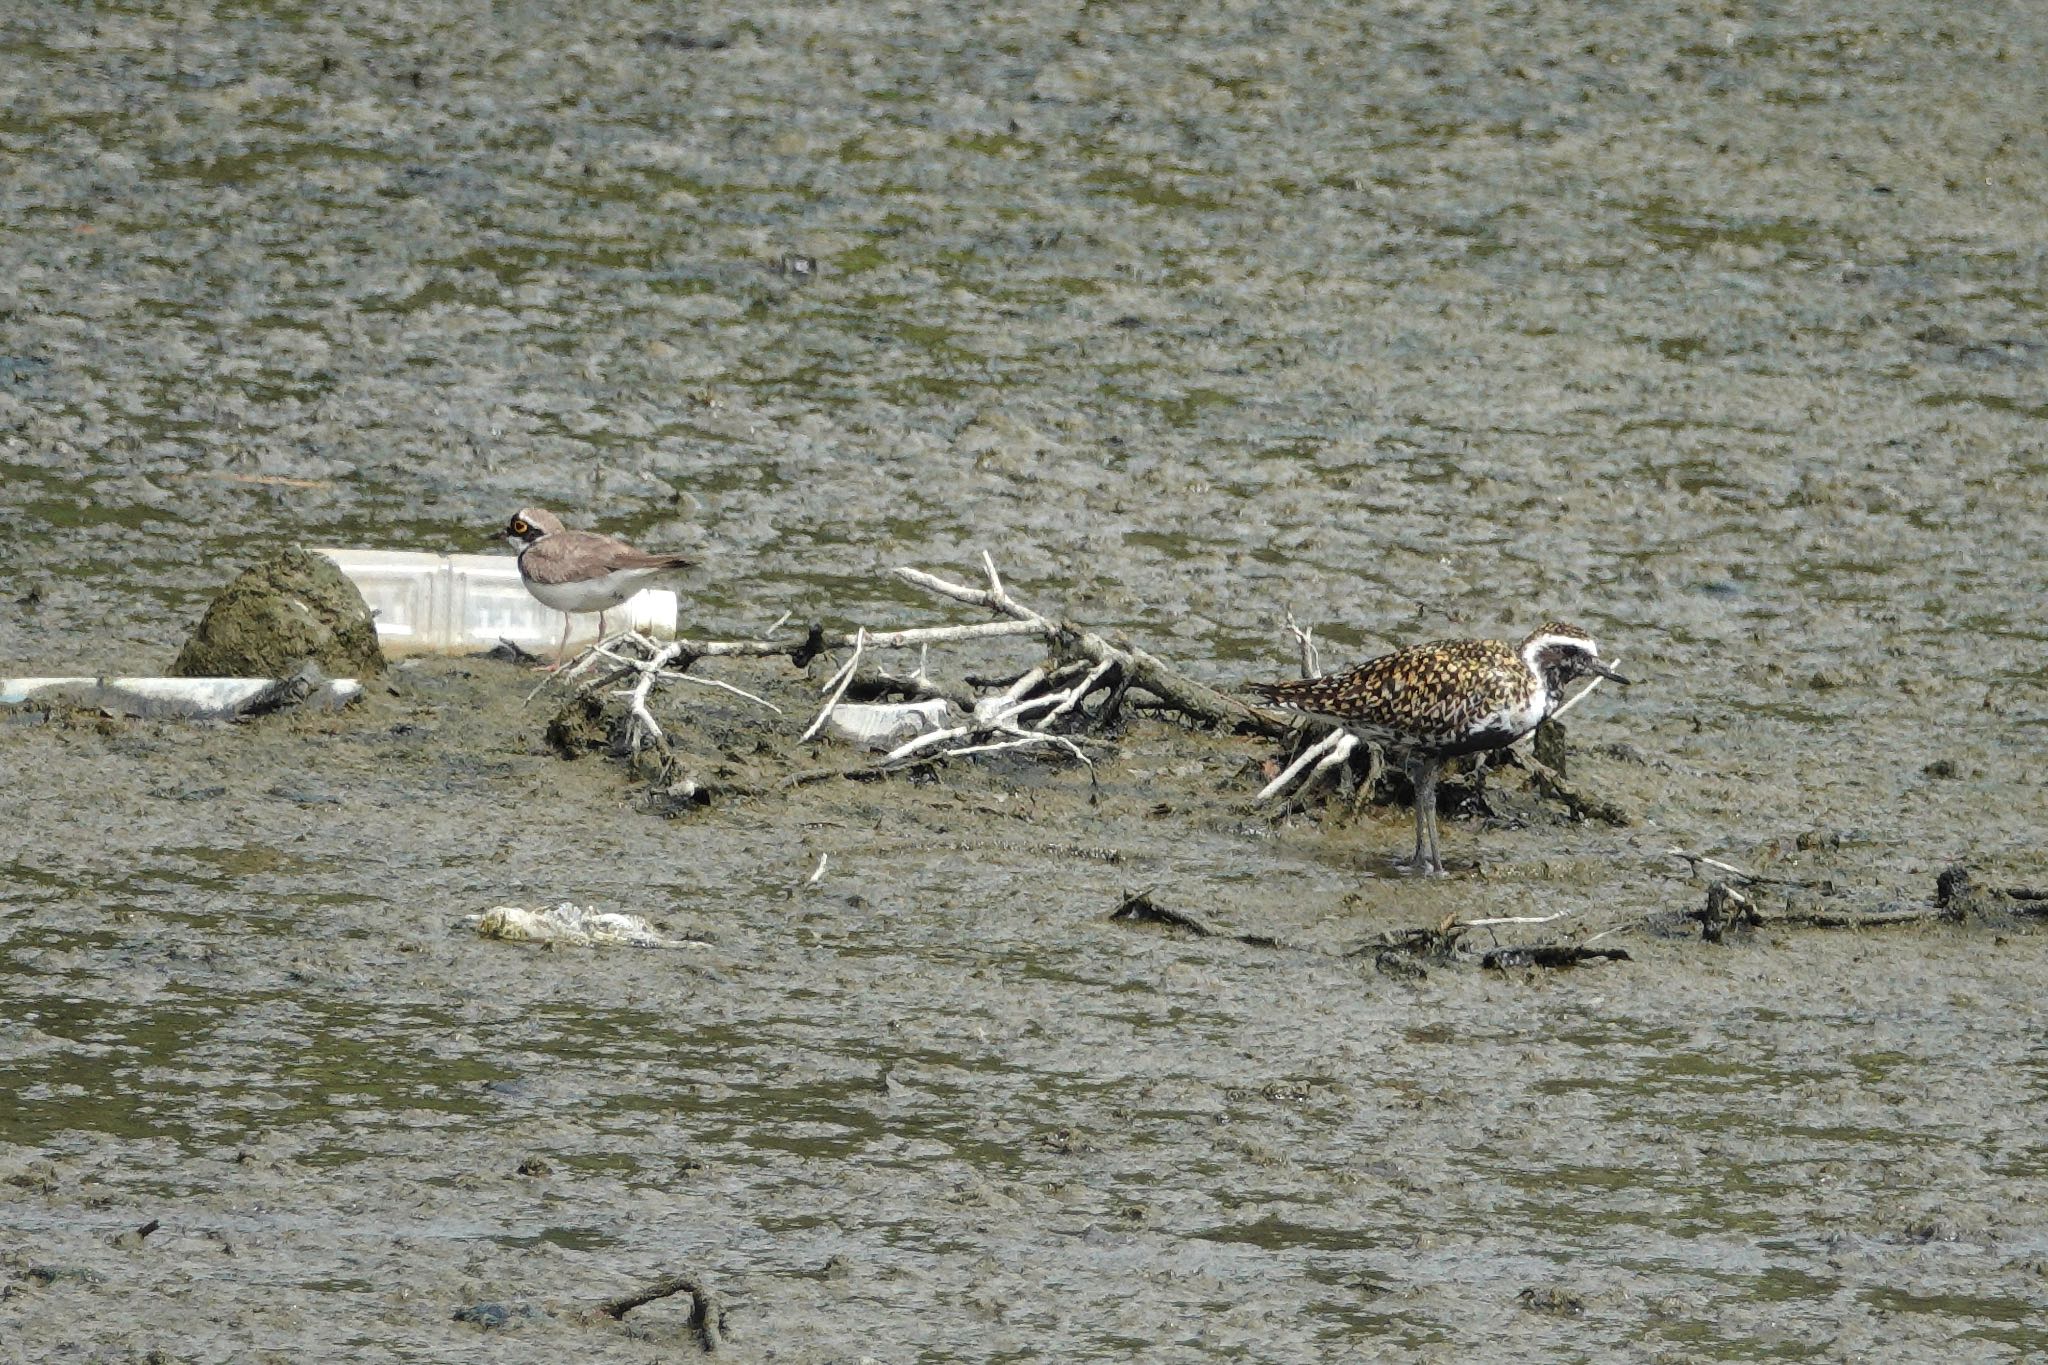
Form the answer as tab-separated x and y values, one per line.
600	627
1436	852
562	649
1425	812
1422	773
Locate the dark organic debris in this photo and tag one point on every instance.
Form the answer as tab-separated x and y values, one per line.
1579	803
501	1316
1140	908
684	42
1401	952
134	1237
707	1318
511	652
1957	899
1957	894
1549	955
581	726
1400	966
1562	1303
1726	908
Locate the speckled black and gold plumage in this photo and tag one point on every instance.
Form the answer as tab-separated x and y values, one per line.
1434	701
1428	697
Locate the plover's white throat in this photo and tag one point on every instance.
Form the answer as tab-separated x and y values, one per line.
579	571
1431	702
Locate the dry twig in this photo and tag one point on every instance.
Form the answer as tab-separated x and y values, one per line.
706	1317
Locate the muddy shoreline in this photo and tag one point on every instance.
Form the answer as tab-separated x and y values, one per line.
1722	334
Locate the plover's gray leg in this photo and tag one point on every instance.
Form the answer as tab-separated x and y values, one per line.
1436	852
1425	860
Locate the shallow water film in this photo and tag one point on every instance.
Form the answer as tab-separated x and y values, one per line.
1717	329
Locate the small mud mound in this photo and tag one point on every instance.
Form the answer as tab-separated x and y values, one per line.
290	608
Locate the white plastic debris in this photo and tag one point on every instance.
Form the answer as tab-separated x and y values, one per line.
573	925
458	604
881	725
187	698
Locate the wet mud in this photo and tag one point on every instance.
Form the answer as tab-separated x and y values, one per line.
1718	332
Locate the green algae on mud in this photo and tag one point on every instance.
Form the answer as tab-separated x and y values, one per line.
289	608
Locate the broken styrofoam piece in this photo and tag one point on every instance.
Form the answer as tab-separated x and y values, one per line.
186	698
882	725
459	604
573	925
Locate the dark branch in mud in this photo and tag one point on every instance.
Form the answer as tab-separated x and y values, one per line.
1696	861
706	1316
1729	909
1957	899
1959	896
1550	955
1142	909
1401	953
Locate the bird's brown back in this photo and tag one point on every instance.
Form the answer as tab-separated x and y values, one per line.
1429	695
572	556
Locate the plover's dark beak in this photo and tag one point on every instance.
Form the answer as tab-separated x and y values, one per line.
1604	671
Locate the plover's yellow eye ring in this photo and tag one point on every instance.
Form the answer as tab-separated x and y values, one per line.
519	527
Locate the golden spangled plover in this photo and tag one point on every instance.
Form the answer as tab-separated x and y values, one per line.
1431	702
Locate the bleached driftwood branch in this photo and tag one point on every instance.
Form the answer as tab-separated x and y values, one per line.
1305	642
839	683
631	653
1135	669
1326	753
1042	709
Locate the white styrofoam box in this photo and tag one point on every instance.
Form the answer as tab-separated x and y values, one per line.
457	604
165	696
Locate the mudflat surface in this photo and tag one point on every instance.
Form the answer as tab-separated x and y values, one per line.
1719	332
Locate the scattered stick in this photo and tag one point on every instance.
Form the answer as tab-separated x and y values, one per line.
1455	923
1568	703
1699	860
1327	752
134	1237
1166	688
1305	643
1728	909
1142	909
706	1317
1046	707
838	685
